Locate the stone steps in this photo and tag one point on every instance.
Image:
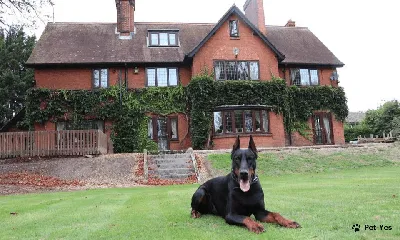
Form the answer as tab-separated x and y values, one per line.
171	166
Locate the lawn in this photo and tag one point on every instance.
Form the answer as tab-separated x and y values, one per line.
326	196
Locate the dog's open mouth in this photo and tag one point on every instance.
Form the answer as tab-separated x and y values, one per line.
244	185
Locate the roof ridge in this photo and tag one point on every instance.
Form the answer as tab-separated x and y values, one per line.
286	27
174	23
107	23
77	23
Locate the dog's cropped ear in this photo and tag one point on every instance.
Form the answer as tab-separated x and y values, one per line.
236	146
252	145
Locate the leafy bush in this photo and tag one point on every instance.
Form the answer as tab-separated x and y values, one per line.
352	132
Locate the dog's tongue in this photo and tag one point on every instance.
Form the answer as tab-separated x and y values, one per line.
244	185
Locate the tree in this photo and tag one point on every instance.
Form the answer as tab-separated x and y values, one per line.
23	12
384	119
15	79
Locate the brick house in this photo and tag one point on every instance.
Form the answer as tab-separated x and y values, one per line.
239	47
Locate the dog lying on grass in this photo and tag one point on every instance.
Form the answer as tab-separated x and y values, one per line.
238	195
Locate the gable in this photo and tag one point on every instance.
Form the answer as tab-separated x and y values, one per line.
247	47
234	11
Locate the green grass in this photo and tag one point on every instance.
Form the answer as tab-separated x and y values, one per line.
314	161
325	202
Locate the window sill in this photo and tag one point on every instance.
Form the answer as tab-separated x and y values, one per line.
235	38
233	135
306	86
238	80
158	46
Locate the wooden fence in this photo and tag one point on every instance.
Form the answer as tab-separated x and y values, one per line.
52	143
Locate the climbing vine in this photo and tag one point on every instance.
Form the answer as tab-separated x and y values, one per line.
127	108
296	104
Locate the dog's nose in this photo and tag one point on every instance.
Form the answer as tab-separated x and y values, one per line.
244	174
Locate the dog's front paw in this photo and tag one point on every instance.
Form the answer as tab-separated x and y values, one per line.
195	214
254	226
293	225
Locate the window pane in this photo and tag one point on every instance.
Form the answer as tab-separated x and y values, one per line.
174	128
172	39
219	70
154	39
254	71
218	128
305	77
60	126
228	122
96	78
265	121
314	77
104	80
173	77
231	71
99	125
258	121
248	119
233	27
295	75
162	77
243	71
151	77
163	39
150	128
239	121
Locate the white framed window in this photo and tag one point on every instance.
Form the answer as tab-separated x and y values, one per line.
162	77
100	78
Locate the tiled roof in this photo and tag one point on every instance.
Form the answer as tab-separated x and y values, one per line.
98	43
301	46
355	117
80	43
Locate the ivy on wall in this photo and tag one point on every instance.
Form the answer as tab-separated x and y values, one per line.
127	108
296	104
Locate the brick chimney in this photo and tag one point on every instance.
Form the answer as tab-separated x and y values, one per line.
254	11
290	23
125	16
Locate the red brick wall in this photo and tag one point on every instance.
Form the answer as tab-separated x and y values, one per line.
76	78
183	141
338	134
70	79
47	126
275	139
324	75
338	131
299	140
220	46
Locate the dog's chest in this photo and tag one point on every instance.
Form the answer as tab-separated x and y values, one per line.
246	200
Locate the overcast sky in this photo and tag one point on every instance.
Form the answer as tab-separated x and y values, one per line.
363	34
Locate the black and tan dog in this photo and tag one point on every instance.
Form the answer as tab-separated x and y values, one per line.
238	195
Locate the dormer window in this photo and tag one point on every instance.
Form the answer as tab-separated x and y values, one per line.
163	38
234	28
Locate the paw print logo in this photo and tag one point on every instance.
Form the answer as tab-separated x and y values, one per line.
356	227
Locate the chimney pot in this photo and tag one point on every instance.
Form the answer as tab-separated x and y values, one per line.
290	23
